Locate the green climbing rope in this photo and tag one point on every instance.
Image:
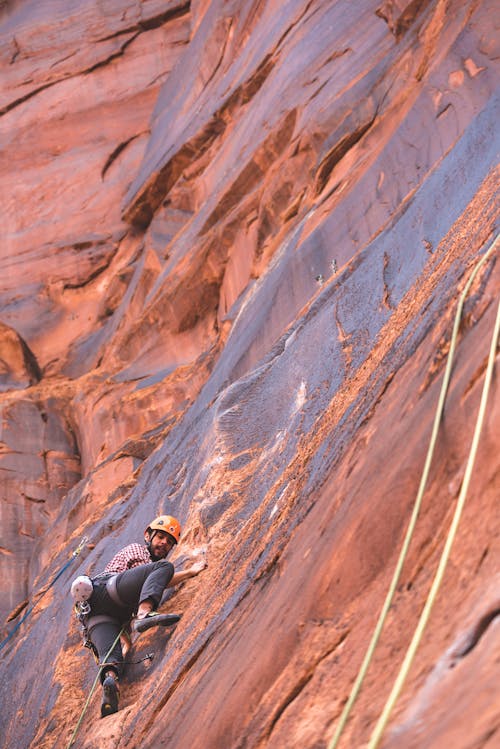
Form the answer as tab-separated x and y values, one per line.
416	508
92	689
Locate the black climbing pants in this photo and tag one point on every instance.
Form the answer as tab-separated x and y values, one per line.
113	606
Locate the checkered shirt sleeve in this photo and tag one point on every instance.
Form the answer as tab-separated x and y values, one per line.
128	557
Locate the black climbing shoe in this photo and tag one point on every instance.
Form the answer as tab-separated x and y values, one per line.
154	620
109	704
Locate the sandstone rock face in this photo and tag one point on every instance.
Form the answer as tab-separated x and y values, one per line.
234	238
18	366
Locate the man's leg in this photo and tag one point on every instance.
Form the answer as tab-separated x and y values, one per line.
144	585
103	635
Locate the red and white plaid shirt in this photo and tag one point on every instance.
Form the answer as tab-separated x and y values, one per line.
130	556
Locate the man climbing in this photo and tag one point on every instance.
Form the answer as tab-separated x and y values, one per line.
132	583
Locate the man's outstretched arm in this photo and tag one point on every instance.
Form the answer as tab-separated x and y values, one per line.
192	571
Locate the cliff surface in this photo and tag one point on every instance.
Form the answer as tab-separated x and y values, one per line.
234	238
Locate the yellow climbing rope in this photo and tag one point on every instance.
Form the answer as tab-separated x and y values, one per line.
409	533
424	617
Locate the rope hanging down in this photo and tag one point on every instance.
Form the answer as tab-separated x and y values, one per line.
75	553
416	508
424	617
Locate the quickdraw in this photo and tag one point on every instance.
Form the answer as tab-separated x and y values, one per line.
82	611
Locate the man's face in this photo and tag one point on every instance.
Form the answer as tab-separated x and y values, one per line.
161	543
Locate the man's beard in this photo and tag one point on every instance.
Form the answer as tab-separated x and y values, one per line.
155	556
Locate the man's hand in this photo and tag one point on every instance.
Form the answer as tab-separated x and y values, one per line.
192	571
198	567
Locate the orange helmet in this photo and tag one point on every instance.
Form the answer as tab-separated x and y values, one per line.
168	524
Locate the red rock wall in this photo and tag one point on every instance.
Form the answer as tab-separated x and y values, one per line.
235	235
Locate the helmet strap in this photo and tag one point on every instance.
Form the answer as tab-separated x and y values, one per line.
148	544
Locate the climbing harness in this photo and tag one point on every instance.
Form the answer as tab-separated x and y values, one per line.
377	734
81	591
76	552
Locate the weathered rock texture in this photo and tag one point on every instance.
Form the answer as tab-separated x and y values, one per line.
234	236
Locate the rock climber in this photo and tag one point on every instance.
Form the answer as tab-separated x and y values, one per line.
130	588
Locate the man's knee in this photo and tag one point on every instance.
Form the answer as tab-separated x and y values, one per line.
166	566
